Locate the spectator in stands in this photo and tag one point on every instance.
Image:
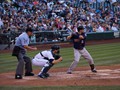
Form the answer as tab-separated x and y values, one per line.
1	23
99	28
44	15
114	27
107	27
45	40
55	40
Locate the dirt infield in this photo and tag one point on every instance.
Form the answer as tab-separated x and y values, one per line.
106	75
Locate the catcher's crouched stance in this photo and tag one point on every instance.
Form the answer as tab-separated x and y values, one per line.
46	59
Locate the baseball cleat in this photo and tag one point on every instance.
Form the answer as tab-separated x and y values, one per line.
69	72
42	76
29	74
94	71
18	76
47	74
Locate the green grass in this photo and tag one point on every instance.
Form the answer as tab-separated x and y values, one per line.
62	88
104	54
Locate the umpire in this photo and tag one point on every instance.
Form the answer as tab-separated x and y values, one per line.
19	51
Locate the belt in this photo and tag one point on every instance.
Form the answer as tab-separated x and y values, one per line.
79	48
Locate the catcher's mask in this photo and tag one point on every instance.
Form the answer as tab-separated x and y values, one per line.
56	47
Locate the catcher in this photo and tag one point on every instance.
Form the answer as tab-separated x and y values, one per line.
46	59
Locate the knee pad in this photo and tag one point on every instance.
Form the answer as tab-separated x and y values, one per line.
48	64
46	67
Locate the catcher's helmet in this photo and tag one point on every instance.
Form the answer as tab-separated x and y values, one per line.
55	47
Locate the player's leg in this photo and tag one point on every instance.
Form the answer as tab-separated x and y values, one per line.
45	69
89	58
75	62
28	66
20	66
39	62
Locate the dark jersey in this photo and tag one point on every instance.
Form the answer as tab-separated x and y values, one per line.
78	43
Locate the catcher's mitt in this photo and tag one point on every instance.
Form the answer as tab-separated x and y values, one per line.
57	57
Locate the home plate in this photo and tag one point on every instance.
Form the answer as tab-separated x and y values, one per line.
29	78
104	74
105	70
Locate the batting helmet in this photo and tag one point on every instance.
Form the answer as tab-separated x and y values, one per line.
80	28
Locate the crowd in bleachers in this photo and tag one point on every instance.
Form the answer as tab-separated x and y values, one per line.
43	15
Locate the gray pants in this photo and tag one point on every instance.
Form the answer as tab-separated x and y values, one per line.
23	60
77	55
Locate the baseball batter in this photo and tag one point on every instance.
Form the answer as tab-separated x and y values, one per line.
78	39
46	59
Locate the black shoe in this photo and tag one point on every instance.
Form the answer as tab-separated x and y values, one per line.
29	74
47	74
93	68
42	76
18	76
69	72
94	71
